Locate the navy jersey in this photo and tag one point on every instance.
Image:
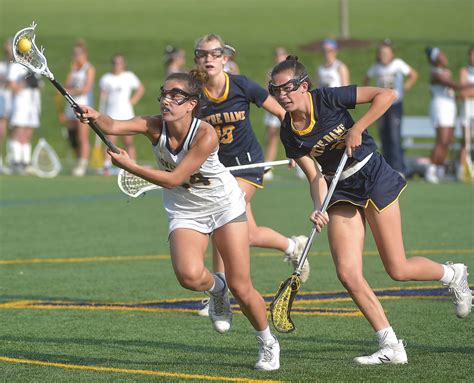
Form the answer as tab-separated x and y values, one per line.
229	115
323	139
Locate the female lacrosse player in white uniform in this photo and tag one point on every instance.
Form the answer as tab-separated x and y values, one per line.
5	98
466	78
79	83
332	72
200	198
442	112
25	116
120	90
317	129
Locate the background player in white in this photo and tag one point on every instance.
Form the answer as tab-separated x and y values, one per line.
466	77
389	72
79	83
272	122
175	60
442	112
5	98
332	72
120	90
25	116
200	198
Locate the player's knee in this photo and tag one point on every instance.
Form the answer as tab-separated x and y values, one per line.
190	279
397	273
240	290
350	280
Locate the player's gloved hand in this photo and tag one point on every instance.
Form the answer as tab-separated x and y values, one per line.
319	219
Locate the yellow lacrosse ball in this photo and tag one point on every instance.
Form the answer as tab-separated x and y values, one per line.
24	45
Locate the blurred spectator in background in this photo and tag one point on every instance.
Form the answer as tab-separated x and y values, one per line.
79	83
25	116
230	66
5	98
332	72
389	72
466	78
175	60
442	112
120	90
271	122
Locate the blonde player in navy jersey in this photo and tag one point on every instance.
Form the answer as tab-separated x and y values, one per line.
226	106
316	130
200	198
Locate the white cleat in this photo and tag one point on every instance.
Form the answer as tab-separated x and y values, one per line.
390	353
220	313
268	354
204	312
294	258
460	291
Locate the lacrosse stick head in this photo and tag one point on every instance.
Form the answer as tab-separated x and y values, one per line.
280	308
133	186
32	59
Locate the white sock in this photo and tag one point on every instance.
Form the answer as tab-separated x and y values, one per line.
26	151
386	335
448	275
82	162
265	334
291	246
15	150
218	285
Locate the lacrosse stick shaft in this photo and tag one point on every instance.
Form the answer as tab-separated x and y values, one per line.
78	109
324	207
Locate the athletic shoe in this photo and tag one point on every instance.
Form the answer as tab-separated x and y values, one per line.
268	354
430	174
220	313
460	291
79	171
390	353
204	312
300	242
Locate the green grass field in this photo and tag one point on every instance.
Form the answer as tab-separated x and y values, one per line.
87	291
84	273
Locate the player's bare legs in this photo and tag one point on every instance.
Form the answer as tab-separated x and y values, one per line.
232	242
187	256
346	231
386	228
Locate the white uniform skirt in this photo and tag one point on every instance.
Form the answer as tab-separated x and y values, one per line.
26	108
443	112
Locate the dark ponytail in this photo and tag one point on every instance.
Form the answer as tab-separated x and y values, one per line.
292	64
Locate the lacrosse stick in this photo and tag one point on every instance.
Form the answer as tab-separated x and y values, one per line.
134	186
280	308
34	60
44	160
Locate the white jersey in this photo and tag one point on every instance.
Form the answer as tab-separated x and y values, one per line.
329	76
212	189
5	94
77	81
468	107
390	76
439	90
118	89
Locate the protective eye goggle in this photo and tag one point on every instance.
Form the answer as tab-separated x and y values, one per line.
287	87
215	53
176	96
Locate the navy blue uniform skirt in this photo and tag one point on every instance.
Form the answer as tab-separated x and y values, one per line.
253	176
376	183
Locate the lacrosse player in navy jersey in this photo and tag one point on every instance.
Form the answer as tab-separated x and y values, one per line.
316	130
226	106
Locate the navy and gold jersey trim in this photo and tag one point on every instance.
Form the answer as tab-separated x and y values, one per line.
224	96
312	122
